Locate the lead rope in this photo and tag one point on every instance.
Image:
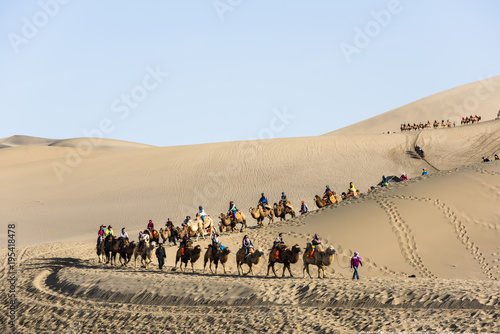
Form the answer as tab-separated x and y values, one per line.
339	263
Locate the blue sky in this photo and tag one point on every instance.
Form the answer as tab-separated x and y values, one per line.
71	68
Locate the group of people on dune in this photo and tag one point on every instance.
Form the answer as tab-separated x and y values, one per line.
247	246
488	159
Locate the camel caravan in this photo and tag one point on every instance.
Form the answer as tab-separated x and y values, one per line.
465	120
109	246
215	254
470	120
422	126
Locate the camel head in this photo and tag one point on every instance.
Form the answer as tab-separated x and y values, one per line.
226	251
296	249
260	252
330	250
153	244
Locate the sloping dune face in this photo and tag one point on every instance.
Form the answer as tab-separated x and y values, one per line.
480	98
127	188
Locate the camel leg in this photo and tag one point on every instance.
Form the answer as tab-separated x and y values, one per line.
238	267
249	270
205	264
306	267
319	271
268	268
274	271
224	266
192	266
290	270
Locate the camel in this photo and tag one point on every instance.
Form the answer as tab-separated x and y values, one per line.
322	202
153	235
111	244
226	224
321	258
252	259
350	194
126	251
259	214
285	256
165	234
197	227
191	254
145	252
100	250
221	256
280	210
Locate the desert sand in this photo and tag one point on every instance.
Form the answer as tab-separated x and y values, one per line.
430	246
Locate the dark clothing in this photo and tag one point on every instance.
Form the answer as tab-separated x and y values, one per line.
316	242
160	254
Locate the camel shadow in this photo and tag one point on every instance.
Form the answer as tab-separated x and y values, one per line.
413	155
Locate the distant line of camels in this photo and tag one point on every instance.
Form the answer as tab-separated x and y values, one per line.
465	120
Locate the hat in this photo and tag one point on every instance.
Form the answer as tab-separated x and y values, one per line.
316	236
150	221
110	226
356	253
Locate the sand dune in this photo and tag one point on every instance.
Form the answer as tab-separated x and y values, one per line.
430	245
477	98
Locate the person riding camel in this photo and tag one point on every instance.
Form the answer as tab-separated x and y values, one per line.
185	239
123	235
315	242
186	221
425	172
215	244
284	201
151	226
201	213
496	157
304	208
263	201
328	194
328	190
109	231
404	177
143	238
247	244
169	224
352	189
232	210
100	235
276	245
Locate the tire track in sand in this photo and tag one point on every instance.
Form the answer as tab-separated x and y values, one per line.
406	240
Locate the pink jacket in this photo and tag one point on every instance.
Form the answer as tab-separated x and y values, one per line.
356	261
